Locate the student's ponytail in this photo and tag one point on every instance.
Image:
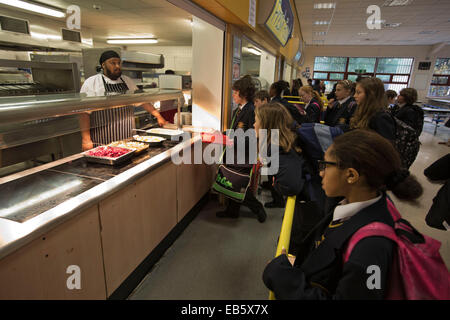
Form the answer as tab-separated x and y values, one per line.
403	185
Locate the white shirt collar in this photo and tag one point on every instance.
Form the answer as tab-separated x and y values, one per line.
344	100
307	105
345	211
242	106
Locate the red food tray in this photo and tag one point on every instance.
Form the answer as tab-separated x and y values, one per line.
95	155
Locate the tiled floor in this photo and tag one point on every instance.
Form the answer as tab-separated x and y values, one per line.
224	258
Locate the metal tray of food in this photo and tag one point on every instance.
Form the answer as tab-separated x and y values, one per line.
165	133
137	146
152	141
108	160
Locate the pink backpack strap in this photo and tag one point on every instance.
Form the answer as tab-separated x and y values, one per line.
393	210
374	229
320	110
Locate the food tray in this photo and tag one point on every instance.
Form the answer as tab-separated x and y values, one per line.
107	160
149	140
165	133
138	147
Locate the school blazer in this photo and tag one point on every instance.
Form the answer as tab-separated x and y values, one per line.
313	111
246	118
319	273
344	111
296	115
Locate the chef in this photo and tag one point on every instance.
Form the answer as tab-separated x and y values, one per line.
105	126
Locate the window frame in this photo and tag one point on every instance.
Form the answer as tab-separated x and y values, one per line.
440	75
347	73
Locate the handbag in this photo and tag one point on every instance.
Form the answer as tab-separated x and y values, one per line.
232	182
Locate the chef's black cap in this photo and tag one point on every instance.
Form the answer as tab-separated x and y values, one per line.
108	55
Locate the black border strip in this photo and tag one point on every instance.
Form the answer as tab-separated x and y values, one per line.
135	278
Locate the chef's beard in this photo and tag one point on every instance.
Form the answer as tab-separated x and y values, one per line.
113	76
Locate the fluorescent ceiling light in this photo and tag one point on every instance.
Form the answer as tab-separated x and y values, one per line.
392	25
254	51
132	41
396	3
320	33
34	7
330	5
321	22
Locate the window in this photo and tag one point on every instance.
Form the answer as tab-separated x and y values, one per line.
367	64
394	72
394	65
337	76
320	75
330	64
440	83
384	77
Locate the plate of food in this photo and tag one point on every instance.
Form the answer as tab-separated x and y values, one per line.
150	140
134	145
108	155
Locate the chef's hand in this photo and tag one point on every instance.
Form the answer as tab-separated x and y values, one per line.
87	145
161	121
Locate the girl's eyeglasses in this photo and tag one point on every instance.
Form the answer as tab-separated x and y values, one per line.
323	164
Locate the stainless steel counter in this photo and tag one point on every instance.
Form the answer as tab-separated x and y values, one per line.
88	188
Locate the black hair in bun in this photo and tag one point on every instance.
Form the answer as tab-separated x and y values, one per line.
396	178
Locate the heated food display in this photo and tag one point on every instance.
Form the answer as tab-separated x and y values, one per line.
165	133
138	146
148	139
108	152
109	155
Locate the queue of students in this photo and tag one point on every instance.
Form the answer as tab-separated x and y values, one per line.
358	169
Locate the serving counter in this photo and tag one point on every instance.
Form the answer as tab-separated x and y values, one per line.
104	220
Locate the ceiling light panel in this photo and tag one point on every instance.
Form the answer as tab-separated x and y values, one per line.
329	5
131	41
254	51
321	23
34	8
396	3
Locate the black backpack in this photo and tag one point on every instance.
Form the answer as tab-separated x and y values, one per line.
406	142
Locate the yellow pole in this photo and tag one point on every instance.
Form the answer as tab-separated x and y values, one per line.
285	233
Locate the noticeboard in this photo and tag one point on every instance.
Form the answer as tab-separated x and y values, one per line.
281	21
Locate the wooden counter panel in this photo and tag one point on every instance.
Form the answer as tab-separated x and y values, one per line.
38	270
135	220
193	181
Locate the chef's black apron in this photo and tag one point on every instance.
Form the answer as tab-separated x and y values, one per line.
112	124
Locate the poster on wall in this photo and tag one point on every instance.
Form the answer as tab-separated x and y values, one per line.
281	21
236	71
252	13
237	44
